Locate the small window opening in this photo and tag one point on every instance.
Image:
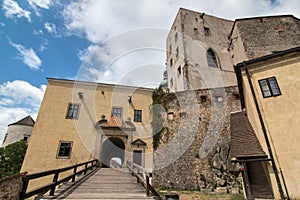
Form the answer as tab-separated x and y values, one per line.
236	96
179	70
281	33
170	116
176	37
203	98
177	52
183	115
206	31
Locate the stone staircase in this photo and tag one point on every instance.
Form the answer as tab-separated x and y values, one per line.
105	184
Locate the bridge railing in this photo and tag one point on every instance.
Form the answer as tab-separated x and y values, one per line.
143	177
89	165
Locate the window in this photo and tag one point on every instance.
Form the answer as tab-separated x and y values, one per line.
170	48
211	59
73	111
269	87
281	33
176	37
206	31
64	149
177	52
179	71
137	116
25	138
171	62
116	112
171	82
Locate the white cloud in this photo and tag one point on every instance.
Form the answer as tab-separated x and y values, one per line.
117	28
36	5
45	4
51	28
18	99
38	32
12	10
28	56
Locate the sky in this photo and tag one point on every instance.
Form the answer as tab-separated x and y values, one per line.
110	41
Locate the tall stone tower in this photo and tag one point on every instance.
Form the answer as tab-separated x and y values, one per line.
197	52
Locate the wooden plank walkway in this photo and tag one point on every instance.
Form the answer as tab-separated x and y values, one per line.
105	184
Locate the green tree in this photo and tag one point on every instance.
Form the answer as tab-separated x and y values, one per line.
11	158
157	120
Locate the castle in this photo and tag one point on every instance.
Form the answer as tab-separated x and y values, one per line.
80	120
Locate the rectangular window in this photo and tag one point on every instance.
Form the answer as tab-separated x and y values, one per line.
177	52
64	149
116	112
137	115
73	111
269	87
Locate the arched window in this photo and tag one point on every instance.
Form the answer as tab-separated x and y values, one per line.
211	59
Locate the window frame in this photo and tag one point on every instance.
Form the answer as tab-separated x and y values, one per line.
138	115
116	108
68	116
271	89
59	149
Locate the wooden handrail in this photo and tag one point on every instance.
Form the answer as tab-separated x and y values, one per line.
142	177
51	186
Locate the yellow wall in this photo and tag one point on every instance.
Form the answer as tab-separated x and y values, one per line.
52	126
281	115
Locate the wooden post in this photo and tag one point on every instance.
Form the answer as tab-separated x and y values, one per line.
24	188
85	168
55	178
147	186
74	172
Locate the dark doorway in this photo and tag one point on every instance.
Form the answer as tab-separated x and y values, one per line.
137	157
257	181
112	148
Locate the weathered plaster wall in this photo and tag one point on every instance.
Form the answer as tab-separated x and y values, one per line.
281	116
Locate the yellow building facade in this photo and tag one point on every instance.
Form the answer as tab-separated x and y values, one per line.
81	121
276	84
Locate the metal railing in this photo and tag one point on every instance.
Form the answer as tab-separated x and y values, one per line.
89	165
143	177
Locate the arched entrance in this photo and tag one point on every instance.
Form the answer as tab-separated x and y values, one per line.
112	147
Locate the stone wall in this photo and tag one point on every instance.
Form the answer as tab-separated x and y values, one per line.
194	150
261	36
10	187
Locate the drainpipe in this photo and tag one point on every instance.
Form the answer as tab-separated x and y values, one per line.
264	132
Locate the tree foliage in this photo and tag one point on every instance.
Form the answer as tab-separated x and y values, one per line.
157	120
11	158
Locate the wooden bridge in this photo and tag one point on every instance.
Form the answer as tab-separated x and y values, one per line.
131	183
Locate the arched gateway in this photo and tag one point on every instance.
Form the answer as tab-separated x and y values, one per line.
116	141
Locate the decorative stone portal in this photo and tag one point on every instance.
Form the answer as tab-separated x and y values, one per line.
115	141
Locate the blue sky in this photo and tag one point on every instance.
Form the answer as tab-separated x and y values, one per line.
110	41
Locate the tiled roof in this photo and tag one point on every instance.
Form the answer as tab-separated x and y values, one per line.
28	121
244	142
